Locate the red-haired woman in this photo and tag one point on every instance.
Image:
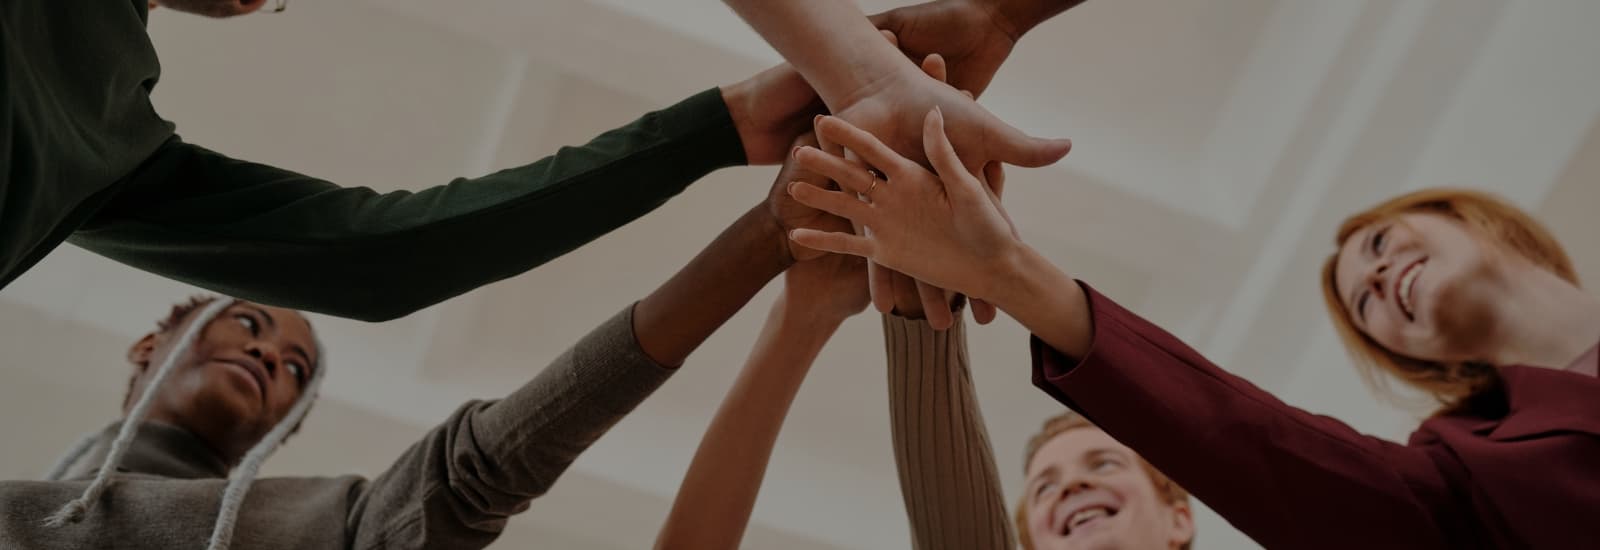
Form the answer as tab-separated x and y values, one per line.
1455	292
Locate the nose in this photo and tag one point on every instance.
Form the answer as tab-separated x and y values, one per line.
1378	275
1074	487
267	354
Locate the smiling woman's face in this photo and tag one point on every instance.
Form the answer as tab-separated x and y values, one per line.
1420	285
245	371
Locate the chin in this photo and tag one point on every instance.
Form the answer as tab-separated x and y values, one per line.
224	415
1459	318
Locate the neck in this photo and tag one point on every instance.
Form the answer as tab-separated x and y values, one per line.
1546	322
159	448
230	456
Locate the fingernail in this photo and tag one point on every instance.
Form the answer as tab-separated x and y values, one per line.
795	153
938	112
816	119
792	186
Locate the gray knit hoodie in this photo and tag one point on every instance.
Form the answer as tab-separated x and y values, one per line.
453	489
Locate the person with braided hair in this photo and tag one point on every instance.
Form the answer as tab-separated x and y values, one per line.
222	382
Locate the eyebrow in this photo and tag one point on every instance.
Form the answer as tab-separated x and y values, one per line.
274	324
1102	451
263	313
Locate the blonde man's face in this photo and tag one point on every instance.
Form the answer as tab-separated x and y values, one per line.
1084	490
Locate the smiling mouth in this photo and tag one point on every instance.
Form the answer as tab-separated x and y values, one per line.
1405	289
1085	517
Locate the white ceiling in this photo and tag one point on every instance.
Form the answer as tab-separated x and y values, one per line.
1217	145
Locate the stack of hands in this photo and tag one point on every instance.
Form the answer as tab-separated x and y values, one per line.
858	182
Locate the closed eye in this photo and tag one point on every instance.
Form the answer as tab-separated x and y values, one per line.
1375	244
1042	488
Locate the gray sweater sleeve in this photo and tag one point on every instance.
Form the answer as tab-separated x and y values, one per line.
457	486
946	463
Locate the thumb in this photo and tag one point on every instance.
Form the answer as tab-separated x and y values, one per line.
889	20
1017	148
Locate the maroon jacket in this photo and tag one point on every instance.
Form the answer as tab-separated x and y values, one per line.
1523	472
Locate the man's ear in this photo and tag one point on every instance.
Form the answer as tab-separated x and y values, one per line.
139	354
1182	525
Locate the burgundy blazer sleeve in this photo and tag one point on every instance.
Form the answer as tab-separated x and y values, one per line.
1283	476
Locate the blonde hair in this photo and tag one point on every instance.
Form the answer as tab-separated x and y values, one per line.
1455	387
1169	491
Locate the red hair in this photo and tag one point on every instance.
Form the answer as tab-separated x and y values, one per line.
1491	217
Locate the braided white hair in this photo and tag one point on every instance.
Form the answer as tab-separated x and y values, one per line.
240	478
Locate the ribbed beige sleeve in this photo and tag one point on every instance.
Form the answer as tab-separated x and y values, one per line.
947	472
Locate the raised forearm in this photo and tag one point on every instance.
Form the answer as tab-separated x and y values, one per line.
484	463
719	491
830	42
675	319
948	477
1044	299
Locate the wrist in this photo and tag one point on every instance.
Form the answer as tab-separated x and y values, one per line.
887	75
1046	301
776	248
1017	276
1016	17
1008	17
804	318
736	97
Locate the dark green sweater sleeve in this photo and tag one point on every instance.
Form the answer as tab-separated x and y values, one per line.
273	236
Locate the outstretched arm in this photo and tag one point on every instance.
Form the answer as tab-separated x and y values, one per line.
942	451
457	486
719	491
274	236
